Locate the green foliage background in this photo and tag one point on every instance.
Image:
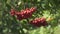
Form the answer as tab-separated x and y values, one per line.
48	8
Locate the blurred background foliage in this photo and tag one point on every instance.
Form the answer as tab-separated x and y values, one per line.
48	8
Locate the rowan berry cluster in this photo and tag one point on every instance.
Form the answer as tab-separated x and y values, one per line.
39	22
23	14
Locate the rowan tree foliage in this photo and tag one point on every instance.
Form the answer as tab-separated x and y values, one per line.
29	16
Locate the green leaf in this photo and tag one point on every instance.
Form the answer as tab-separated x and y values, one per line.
57	30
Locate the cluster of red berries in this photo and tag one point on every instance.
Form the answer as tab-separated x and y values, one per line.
23	14
39	22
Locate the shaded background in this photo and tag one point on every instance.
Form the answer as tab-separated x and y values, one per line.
48	8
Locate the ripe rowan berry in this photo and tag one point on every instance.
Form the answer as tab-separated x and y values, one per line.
12	12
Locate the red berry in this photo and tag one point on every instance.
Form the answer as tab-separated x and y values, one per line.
12	12
33	9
